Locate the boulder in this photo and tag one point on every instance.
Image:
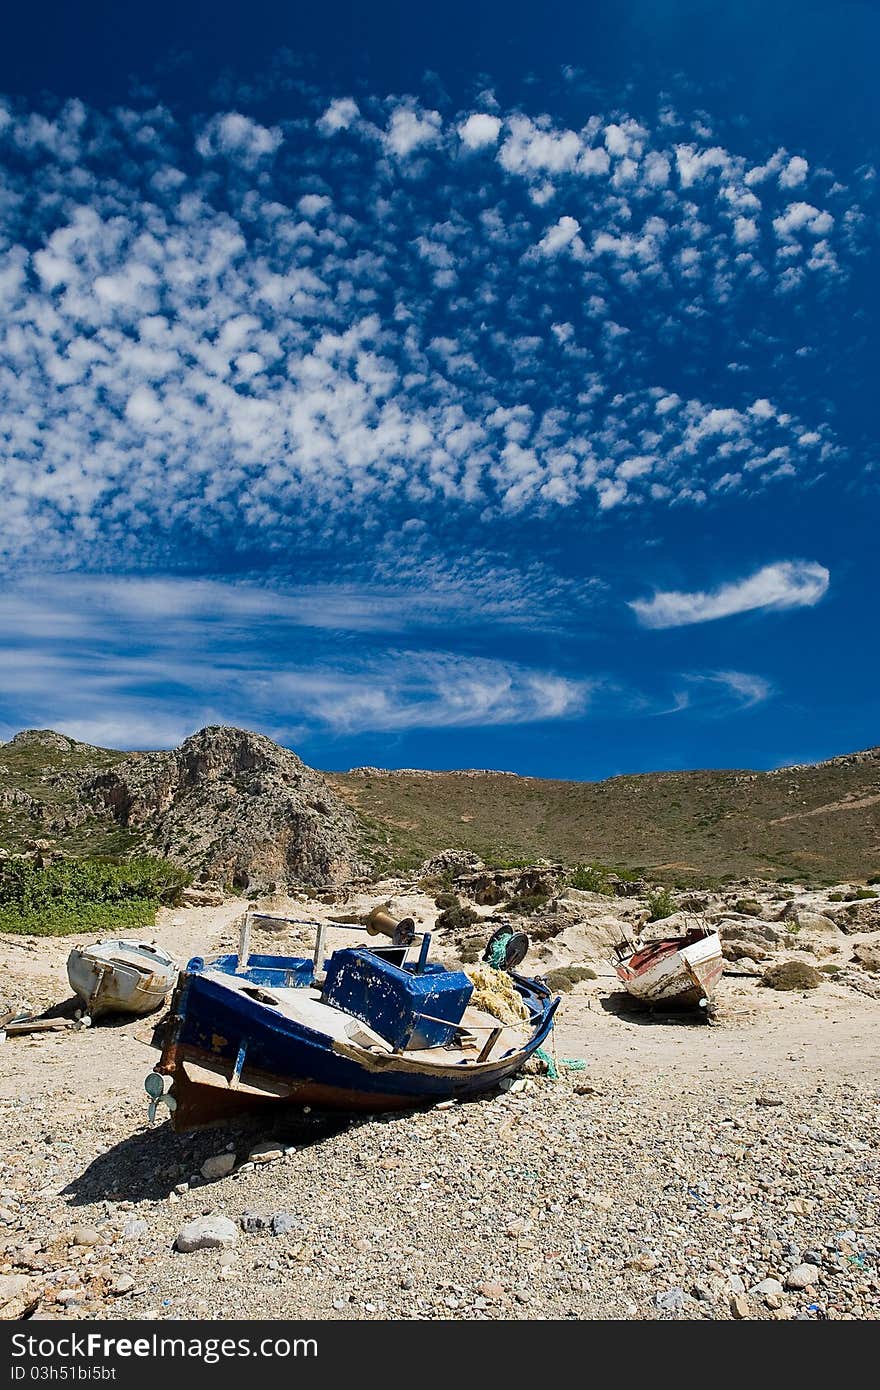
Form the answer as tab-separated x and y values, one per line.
451	861
852	918
867	956
749	932
488	887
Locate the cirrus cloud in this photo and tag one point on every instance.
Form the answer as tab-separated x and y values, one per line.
788	584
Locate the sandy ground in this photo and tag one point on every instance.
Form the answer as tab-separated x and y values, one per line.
76	1149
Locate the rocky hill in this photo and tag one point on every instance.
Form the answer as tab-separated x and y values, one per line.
234	807
229	805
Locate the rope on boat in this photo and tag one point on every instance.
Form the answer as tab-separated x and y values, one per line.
554	1063
496	951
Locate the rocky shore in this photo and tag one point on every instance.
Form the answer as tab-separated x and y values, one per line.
690	1170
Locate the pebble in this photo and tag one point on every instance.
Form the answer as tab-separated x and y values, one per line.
803	1276
283	1223
771	1286
217	1166
207	1233
86	1235
265	1153
740	1307
123	1284
671	1300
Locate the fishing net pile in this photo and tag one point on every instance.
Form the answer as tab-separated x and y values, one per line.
495	993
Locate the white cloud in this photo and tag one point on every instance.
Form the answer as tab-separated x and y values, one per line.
563	234
788	584
86	655
479	130
794	173
339	115
239	138
802	216
411	128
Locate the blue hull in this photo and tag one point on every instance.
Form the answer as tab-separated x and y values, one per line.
227	1052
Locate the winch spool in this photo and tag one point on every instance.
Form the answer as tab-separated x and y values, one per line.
380	922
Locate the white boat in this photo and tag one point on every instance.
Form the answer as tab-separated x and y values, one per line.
674	970
124	977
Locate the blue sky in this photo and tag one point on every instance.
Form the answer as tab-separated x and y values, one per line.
442	386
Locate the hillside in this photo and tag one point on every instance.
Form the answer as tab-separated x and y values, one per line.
233	806
819	821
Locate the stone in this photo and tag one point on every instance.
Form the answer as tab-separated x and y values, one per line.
207	1233
492	1290
740	1307
284	1223
18	1293
251	1222
671	1300
644	1263
86	1235
202	897
266	1153
123	1284
771	1286
867	956
217	1166
135	1228
803	1276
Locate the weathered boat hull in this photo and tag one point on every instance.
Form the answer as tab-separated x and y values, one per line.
227	1054
125	977
678	971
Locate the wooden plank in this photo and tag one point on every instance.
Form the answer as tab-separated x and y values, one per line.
37	1025
490	1043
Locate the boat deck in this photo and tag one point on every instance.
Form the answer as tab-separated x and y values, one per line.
305	1007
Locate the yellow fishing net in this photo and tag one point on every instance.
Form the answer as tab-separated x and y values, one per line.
495	993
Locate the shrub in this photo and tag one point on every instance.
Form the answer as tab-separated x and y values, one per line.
791	974
456	918
591	878
444	900
526	903
863	893
660	905
749	907
84	894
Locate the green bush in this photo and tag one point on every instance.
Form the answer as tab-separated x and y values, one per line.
749	907
455	918
526	903
85	894
592	878
660	904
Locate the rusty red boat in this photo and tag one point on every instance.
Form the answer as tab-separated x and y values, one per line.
675	970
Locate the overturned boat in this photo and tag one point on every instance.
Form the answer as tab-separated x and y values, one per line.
123	977
371	1028
673	971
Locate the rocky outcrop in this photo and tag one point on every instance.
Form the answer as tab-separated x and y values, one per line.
235	808
491	886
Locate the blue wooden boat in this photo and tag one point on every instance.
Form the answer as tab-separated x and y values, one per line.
371	1028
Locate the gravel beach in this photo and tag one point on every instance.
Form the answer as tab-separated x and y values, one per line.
690	1170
